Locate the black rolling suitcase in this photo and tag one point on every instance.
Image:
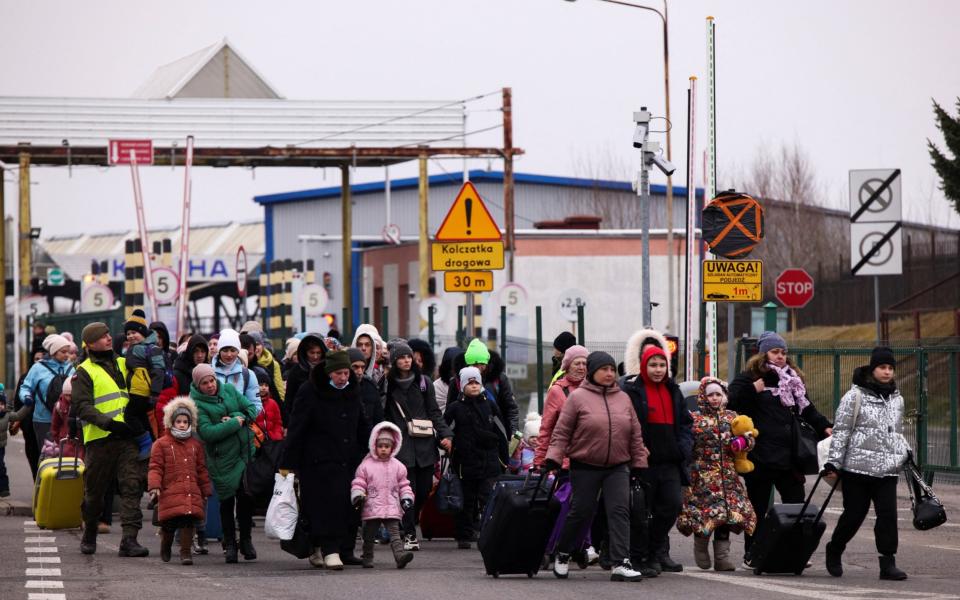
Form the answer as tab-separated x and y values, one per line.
514	539
789	535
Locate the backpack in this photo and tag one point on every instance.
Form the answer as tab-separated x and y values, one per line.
54	390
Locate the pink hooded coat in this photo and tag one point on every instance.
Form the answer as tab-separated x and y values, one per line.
383	482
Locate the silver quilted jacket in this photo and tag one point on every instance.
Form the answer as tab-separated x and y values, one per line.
874	445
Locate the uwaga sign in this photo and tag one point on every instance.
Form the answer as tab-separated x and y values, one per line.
732	280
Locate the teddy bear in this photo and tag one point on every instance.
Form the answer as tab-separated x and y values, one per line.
743	431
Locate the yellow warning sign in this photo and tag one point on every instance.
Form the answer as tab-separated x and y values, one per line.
468	219
466	256
468	281
732	280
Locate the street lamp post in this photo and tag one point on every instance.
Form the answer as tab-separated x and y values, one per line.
666	93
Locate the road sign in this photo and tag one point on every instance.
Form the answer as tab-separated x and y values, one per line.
732	280
468	219
439	309
166	285
314	298
118	151
468	281
391	234
875	195
794	288
466	256
96	296
876	248
55	277
514	297
241	271
569	301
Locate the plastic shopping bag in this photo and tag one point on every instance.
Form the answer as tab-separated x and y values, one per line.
281	522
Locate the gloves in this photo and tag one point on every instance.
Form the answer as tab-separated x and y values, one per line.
550	465
358	501
828	470
406	504
120	429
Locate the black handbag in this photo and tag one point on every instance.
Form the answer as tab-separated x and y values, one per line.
301	544
804	449
928	511
639	509
449	494
258	476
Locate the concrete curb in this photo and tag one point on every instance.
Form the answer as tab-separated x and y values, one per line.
14	508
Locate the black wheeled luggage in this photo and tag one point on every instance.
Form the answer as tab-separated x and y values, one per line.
789	535
514	539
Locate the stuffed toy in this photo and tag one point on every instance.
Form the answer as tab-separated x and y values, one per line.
743	430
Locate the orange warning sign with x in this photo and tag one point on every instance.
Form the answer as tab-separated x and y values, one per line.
745	203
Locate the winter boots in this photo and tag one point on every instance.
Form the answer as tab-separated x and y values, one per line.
401	555
88	543
246	547
316	559
130	547
186	541
229	549
834	564
701	551
166	544
889	570
721	556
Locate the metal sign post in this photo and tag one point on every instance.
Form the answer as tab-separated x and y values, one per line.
185	238
142	229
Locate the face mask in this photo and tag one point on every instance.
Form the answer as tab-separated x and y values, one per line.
338	387
181	434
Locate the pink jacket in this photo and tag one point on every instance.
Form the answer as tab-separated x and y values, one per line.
556	398
383	482
599	427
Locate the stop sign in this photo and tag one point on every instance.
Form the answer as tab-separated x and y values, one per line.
794	288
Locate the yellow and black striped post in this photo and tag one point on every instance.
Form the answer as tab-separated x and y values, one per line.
133	277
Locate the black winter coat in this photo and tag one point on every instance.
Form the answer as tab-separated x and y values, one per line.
183	365
325	443
371	399
497	382
774	421
480	450
682	422
299	374
417	404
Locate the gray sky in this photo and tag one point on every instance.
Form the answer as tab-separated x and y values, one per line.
850	81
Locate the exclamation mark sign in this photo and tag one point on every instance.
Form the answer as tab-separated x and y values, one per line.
468	206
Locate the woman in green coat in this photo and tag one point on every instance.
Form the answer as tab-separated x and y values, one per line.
222	425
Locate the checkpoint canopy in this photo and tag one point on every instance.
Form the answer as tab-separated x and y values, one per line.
468	246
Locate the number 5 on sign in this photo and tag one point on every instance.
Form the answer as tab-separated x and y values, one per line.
96	297
468	281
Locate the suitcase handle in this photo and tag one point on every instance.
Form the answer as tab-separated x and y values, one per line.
76	461
540	479
806	503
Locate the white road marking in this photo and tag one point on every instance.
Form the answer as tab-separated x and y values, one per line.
795	586
40	540
41	549
46	596
44	559
42	572
955	549
39	583
29	523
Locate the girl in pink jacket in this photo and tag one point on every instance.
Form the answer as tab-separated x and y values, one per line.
381	491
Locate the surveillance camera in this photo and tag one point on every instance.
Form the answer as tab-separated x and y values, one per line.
664	165
639	135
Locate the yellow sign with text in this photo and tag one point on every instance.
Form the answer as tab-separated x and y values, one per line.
466	256
732	280
468	281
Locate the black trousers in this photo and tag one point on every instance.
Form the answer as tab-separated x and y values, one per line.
421	480
664	500
476	494
761	482
244	516
858	492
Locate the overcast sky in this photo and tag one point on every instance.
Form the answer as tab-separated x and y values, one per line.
849	81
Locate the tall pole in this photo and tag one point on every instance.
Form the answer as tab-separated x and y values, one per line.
144	240
508	178
642	119
693	295
346	213
671	291
26	242
423	244
711	173
185	240
3	281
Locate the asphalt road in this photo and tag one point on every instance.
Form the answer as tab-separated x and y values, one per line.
47	565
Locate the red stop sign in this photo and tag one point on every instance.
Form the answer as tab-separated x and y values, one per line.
794	288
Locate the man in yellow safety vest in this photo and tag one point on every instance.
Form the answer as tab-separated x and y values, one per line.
100	397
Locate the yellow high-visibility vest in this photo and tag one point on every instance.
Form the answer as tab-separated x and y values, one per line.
108	398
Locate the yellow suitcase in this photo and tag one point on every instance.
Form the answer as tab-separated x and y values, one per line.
58	492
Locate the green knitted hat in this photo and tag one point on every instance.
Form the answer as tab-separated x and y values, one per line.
477	353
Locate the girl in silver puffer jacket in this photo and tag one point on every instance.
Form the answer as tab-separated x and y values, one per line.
868	450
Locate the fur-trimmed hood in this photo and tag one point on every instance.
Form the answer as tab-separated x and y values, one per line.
375	433
426	353
631	357
176	404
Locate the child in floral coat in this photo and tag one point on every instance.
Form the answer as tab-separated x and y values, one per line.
716	501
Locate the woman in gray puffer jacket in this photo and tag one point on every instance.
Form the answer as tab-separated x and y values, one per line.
868	450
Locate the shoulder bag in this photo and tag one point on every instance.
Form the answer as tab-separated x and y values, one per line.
928	511
804	450
416	428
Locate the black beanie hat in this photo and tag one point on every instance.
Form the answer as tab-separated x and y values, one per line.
882	355
564	341
335	361
137	322
598	359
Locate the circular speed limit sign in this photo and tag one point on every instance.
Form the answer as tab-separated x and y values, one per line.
314	298
96	297
166	285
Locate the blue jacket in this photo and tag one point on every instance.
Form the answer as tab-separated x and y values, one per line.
34	388
235	376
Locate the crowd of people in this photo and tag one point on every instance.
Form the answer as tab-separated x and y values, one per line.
363	427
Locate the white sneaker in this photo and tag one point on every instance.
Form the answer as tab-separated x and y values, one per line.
561	566
333	562
592	555
316	559
624	572
411	543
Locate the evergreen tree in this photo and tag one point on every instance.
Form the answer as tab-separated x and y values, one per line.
948	168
